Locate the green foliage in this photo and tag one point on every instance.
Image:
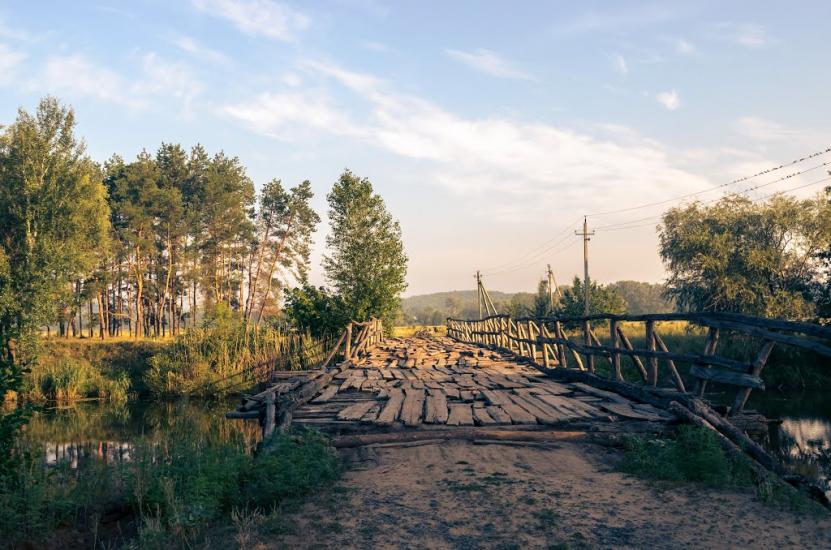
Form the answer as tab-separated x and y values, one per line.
224	355
602	299
693	455
291	467
641	298
285	225
316	310
179	480
747	257
366	263
67	379
53	219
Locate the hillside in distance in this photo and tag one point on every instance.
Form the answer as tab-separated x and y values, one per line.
434	309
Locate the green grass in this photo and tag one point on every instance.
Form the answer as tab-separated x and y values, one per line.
223	358
66	379
694	455
172	490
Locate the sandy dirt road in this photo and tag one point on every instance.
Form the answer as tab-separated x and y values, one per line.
568	495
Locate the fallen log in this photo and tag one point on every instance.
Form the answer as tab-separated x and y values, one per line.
463	434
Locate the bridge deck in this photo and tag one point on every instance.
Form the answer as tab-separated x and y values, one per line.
429	382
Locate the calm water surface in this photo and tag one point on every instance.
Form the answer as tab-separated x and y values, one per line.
107	431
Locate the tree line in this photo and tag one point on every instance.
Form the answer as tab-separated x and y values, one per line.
619	297
149	246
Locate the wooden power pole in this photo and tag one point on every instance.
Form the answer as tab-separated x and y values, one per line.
585	234
479	291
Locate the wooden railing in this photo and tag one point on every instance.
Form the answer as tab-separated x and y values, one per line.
275	405
545	342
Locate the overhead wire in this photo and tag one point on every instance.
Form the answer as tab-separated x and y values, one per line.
723	185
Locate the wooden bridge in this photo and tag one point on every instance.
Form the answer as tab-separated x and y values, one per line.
528	379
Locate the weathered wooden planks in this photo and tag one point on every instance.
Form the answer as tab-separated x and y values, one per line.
356	411
461	414
391	409
412	408
436	408
435	381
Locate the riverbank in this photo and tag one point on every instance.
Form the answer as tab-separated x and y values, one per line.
568	495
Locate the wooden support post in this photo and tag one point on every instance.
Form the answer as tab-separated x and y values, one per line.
756	370
679	383
511	334
561	348
615	343
348	351
270	415
532	335
709	349
635	359
587	340
650	345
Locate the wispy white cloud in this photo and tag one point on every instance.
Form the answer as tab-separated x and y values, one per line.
495	154
291	79
375	46
764	130
488	62
749	35
9	62
77	76
258	17
165	78
620	65
669	99
616	19
684	47
200	51
13	32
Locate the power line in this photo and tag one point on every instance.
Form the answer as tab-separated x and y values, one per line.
720	186
531	253
626	224
529	259
568	245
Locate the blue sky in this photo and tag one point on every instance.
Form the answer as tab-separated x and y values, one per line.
488	127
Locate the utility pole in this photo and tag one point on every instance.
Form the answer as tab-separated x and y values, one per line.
552	288
479	290
587	340
585	234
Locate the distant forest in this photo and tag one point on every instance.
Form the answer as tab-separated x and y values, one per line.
433	309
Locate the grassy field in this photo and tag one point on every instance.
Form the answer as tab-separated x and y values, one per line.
408	331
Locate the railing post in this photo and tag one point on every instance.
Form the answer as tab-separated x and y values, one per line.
587	341
650	345
709	349
615	343
348	350
756	370
545	347
561	348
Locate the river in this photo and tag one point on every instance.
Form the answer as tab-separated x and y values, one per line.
106	431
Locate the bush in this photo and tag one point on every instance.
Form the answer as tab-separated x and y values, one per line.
67	379
693	455
292	467
224	355
173	488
